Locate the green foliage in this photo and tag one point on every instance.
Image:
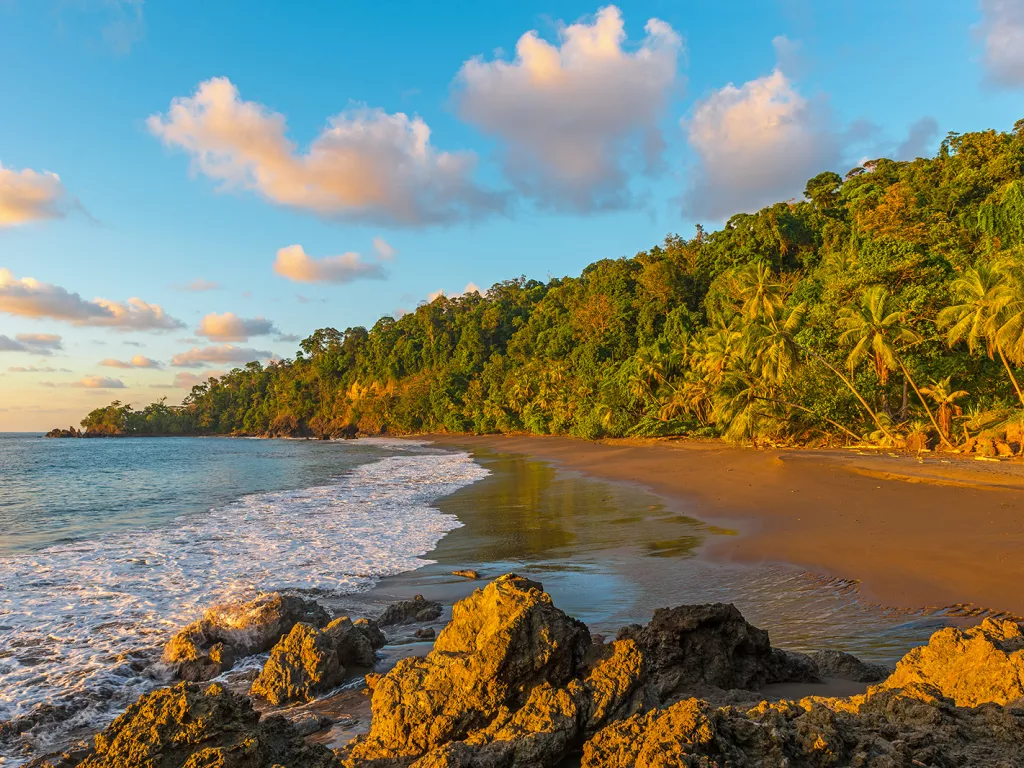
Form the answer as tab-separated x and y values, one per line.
810	320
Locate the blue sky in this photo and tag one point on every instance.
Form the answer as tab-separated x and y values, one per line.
594	140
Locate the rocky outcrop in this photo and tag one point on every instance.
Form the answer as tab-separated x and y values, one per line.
845	666
883	728
210	646
309	661
712	645
191	726
58	432
410	612
981	665
496	670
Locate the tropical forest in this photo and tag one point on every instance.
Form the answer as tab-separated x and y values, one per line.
885	307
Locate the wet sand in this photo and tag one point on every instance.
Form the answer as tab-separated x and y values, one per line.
913	533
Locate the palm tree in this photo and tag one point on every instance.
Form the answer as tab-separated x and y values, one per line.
985	300
942	394
875	330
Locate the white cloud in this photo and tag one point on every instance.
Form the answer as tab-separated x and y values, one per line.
28	195
1001	33
137	361
231	327
33	343
197	286
288	337
757	144
186	380
37	369
220	354
579	117
28	297
98	382
293	262
383	249
470	288
365	165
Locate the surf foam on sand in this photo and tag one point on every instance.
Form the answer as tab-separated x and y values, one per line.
80	623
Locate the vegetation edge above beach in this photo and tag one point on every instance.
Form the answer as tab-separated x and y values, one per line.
885	308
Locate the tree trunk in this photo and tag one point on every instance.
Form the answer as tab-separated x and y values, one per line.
905	405
853	389
1010	372
924	402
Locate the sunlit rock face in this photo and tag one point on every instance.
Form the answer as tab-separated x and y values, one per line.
208	647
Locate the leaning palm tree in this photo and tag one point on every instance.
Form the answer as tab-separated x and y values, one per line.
874	329
984	314
942	394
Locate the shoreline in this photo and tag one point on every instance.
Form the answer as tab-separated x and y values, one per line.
919	533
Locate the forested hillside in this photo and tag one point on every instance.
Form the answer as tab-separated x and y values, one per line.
887	305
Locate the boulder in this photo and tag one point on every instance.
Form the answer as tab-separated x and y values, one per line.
208	647
191	726
845	666
984	664
426	633
466	574
712	644
310	661
410	612
493	671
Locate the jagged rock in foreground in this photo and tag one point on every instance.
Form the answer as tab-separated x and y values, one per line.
974	666
309	661
410	612
712	645
845	666
496	674
883	729
191	726
210	646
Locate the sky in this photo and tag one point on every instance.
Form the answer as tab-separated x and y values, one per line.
187	185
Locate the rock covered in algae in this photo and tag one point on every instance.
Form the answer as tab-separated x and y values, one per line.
192	726
208	647
970	666
309	661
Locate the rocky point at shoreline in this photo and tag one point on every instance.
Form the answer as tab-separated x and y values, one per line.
513	682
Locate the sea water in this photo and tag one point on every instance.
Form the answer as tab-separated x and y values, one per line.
108	546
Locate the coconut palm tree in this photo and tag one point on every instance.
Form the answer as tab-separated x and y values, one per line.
874	329
942	394
985	314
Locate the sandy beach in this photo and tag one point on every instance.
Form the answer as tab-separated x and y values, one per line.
913	532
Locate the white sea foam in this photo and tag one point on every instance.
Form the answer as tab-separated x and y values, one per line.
80	622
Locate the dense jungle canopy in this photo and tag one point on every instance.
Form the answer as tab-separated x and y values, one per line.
886	305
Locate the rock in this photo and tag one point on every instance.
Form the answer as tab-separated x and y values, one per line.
467	574
208	647
614	684
310	661
191	726
985	446
58	432
410	612
984	664
845	666
506	649
310	723
712	644
1003	449
427	633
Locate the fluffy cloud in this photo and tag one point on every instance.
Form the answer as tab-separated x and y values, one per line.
920	141
1001	32
37	369
137	361
756	144
220	354
293	262
28	297
366	165
186	380
576	117
34	343
383	249
28	195
470	288
288	338
231	327
197	286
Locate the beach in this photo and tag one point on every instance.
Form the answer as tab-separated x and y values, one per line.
918	533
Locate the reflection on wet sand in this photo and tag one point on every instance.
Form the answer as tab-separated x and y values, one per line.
611	553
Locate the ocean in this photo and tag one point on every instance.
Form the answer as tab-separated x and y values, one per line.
109	546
